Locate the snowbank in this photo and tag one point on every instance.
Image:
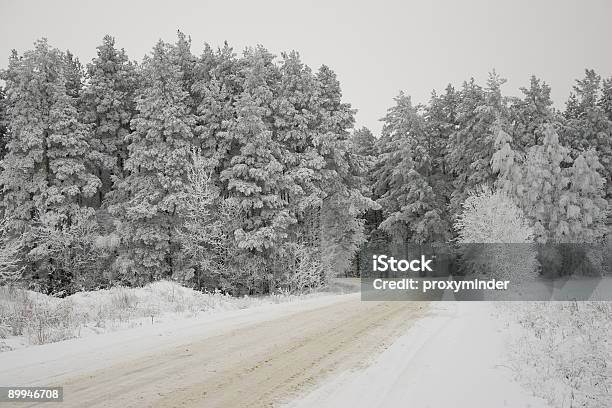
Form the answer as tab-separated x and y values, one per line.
29	318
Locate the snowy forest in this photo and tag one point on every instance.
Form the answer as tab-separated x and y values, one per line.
242	172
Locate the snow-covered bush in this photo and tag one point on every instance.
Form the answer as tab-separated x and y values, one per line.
490	216
495	237
39	318
300	268
564	352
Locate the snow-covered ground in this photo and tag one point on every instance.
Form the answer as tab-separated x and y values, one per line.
562	351
457	356
55	362
29	318
448	354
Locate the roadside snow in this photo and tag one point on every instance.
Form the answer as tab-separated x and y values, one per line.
29	318
455	357
562	351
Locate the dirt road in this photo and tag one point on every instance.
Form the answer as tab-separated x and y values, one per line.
260	365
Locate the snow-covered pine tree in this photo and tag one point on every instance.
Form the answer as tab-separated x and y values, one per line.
605	104
44	173
588	125
183	57
254	174
294	128
507	163
471	146
107	105
587	90
343	203
74	75
332	138
605	101
441	121
541	189
159	152
565	203
363	142
530	115
363	147
215	91
586	205
45	165
411	209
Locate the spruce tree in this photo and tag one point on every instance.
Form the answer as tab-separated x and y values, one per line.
183	57
563	198
45	178
586	206
294	128
411	209
605	101
343	203
588	125
74	75
531	114
107	105
255	172
441	118
471	145
159	153
441	121
605	149
216	89
363	142
45	167
363	149
332	139
507	163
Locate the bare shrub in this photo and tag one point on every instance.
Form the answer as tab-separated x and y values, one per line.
564	353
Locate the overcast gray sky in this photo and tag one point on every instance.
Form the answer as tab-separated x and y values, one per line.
376	47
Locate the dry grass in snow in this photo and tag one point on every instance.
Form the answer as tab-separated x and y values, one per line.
31	318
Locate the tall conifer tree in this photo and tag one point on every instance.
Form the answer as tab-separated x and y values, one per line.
45	178
107	104
159	153
45	167
480	114
588	125
411	208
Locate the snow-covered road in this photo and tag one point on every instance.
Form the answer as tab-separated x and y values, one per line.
453	357
332	351
55	362
257	358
